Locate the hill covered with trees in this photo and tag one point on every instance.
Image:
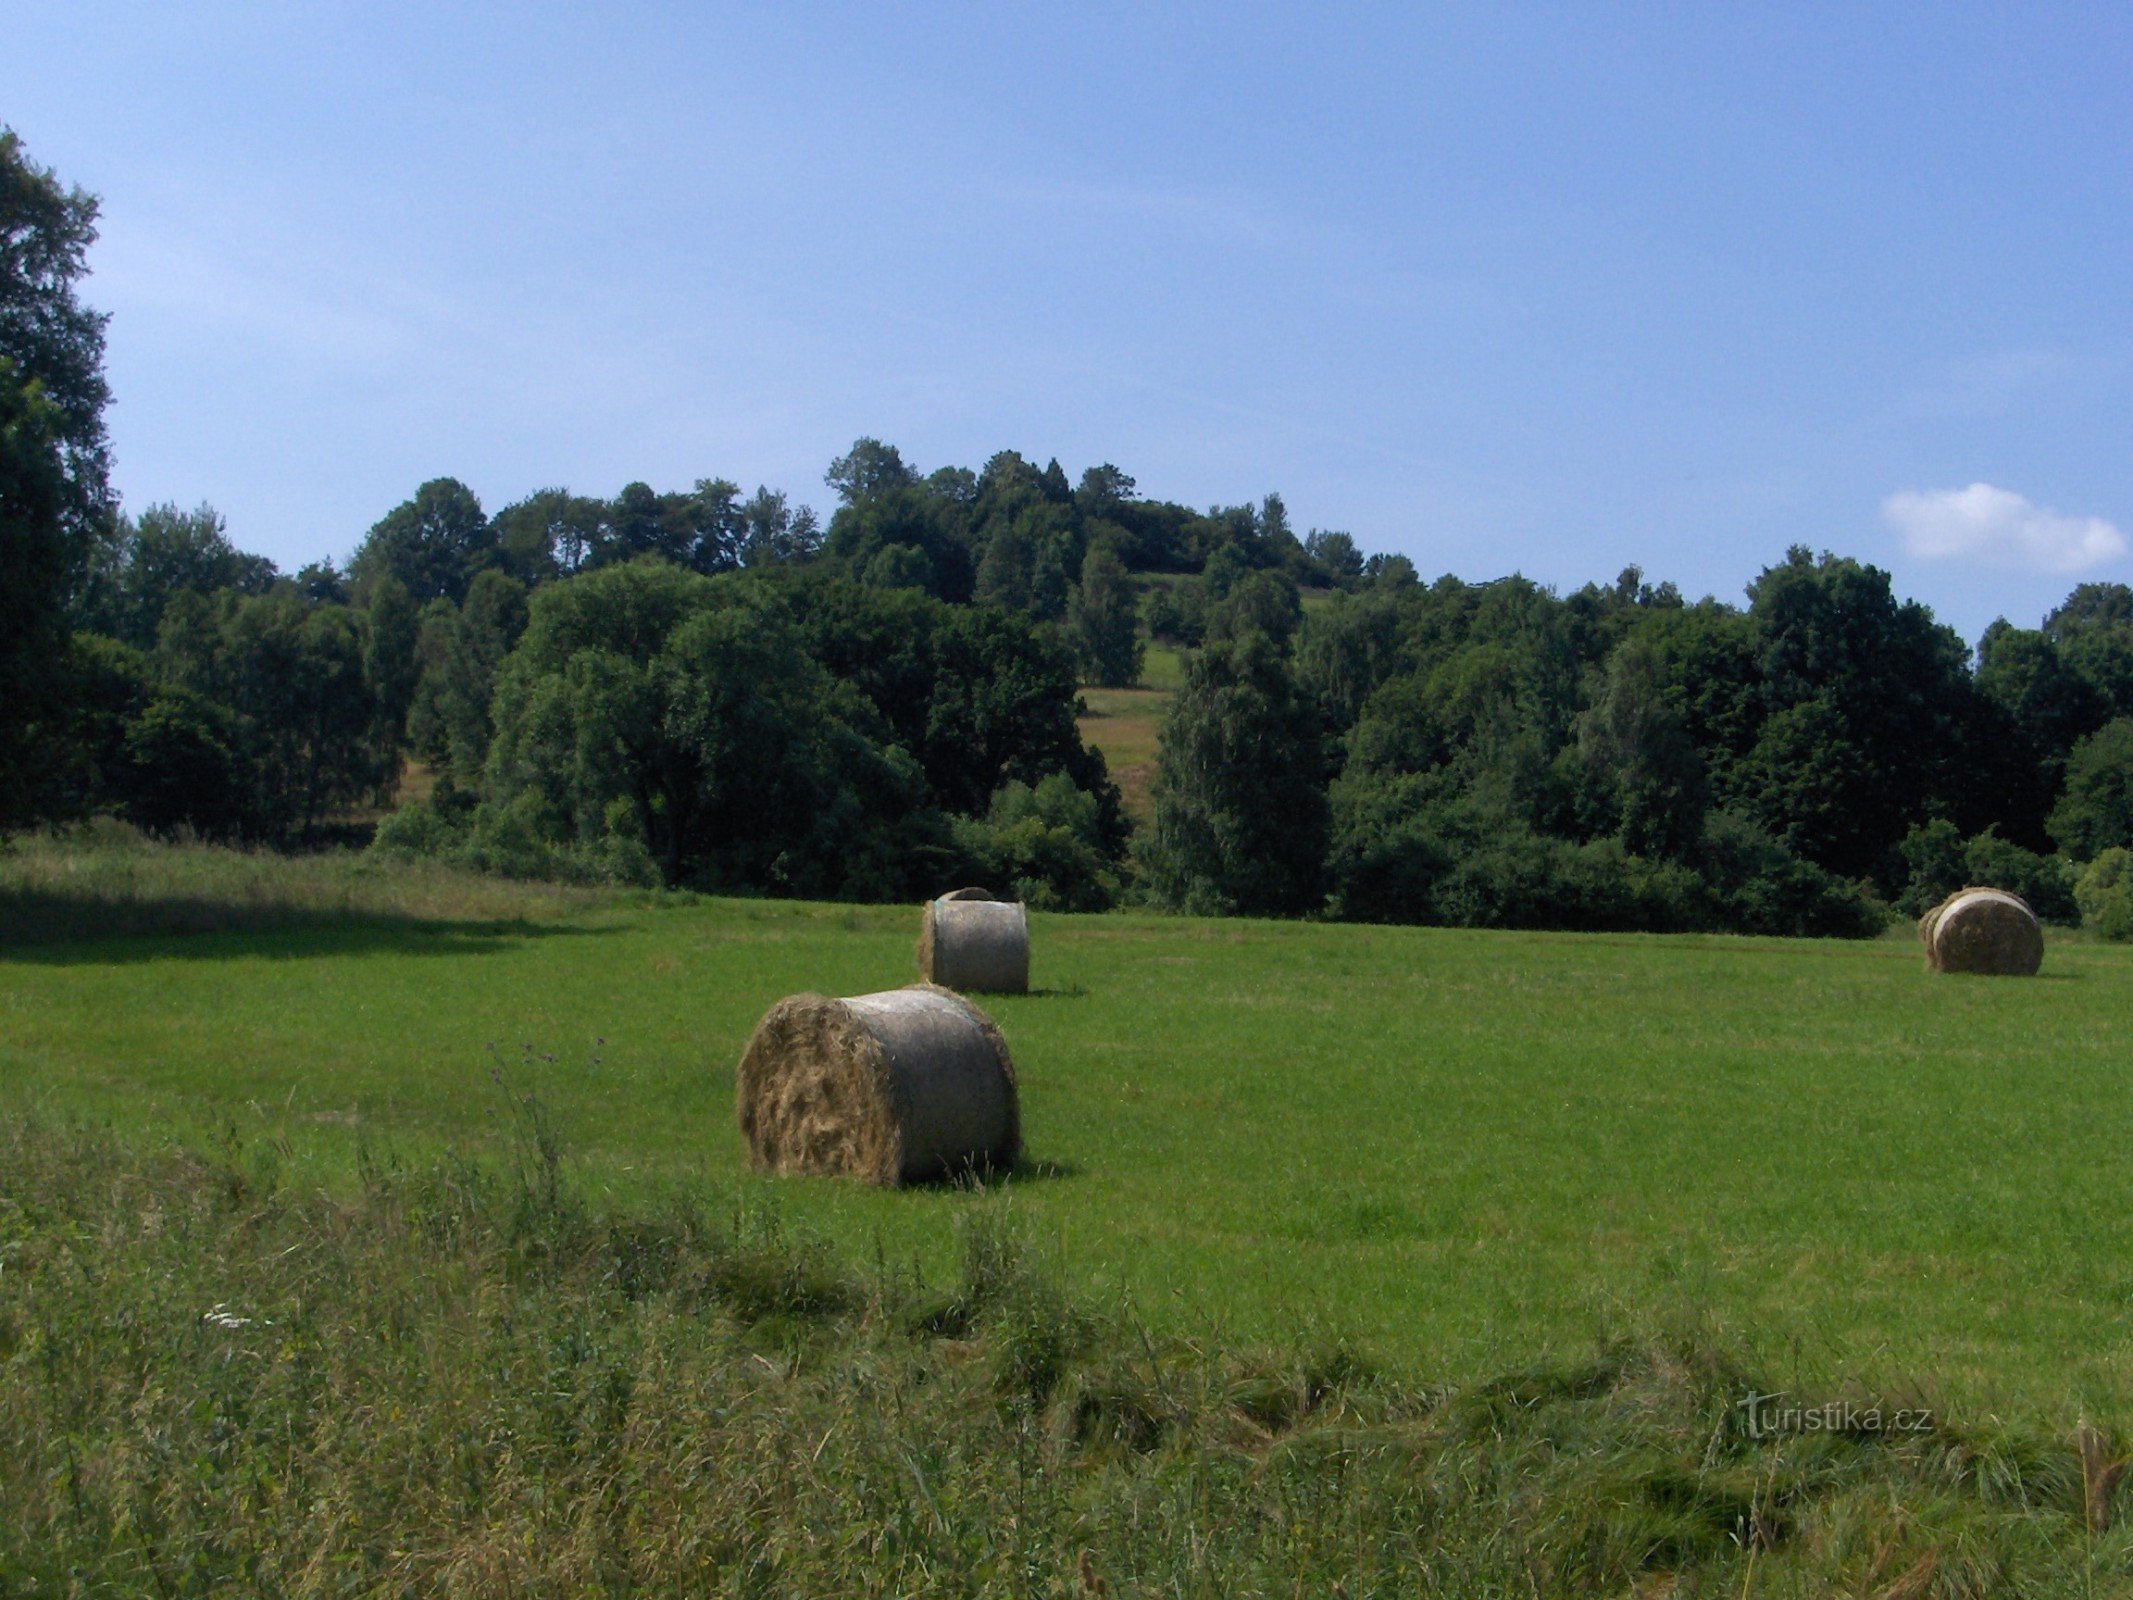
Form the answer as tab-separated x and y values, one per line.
717	690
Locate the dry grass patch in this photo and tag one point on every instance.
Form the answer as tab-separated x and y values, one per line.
1124	724
107	880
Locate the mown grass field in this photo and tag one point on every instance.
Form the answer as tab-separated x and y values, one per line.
1461	1151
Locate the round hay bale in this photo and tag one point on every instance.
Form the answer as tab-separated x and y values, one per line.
1985	931
975	946
967	894
898	1087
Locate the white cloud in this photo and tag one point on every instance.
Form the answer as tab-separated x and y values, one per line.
2000	528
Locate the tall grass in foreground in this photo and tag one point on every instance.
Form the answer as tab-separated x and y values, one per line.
105	879
470	1380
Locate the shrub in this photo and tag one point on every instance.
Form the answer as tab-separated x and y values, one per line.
1399	857
1759	886
1043	845
1933	866
2095	810
1940	861
183	771
2105	893
417	829
1175	614
1991	862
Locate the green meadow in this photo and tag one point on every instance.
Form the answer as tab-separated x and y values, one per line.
1455	1151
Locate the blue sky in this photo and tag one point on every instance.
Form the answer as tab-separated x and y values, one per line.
1546	288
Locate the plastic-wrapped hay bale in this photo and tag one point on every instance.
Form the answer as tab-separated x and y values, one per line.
896	1087
1983	930
975	946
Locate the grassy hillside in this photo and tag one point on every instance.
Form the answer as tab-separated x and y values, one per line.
1459	1150
1124	724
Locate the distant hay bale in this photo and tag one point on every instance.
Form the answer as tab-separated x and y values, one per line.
967	894
898	1087
1983	930
975	946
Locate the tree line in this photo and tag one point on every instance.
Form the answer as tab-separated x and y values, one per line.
708	688
1498	755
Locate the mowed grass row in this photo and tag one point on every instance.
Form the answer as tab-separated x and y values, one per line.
1461	1150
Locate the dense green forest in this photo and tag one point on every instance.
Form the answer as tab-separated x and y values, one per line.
721	691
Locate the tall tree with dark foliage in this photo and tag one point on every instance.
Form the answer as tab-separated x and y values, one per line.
55	497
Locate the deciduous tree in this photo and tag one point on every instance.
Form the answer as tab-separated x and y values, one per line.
1103	622
433	544
55	499
1240	799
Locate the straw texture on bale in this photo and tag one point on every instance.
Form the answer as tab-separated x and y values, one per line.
1985	931
898	1087
976	946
